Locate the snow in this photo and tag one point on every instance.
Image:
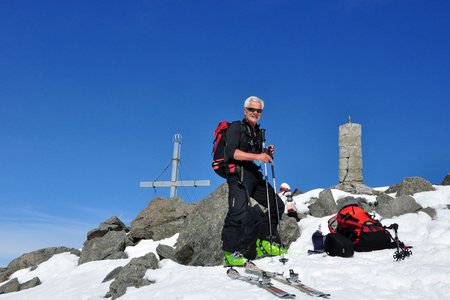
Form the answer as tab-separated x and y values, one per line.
371	275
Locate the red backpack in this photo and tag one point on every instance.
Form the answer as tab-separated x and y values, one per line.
218	153
363	230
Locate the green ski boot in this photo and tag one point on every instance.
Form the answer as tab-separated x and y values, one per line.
263	249
234	259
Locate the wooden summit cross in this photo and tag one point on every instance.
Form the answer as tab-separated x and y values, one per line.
174	183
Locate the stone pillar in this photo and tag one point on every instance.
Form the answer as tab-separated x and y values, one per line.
350	153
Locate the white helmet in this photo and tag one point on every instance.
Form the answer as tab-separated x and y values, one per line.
284	187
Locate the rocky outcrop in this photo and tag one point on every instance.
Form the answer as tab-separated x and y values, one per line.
132	274
199	242
389	207
33	259
108	241
410	186
161	219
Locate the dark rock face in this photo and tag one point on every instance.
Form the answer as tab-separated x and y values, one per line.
161	219
132	274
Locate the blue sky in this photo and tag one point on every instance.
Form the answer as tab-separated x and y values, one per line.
91	93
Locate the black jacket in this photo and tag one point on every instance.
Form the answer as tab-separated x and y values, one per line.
240	136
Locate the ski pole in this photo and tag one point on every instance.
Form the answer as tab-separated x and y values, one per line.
282	259
263	137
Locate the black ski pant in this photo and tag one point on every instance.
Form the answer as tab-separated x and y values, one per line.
244	224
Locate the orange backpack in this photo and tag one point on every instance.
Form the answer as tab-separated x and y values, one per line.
364	231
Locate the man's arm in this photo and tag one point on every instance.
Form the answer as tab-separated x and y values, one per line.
232	148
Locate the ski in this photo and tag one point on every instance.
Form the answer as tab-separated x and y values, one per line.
263	283
292	280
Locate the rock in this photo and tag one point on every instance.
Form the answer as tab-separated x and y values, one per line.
199	242
185	253
110	246
161	219
446	180
393	189
398	206
132	274
14	286
289	231
412	185
112	224
33	259
166	252
112	275
30	283
431	212
355	188
11	286
358	201
324	205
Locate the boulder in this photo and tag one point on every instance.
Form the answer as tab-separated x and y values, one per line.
324	205
109	246
430	211
33	259
358	201
289	231
199	242
161	219
11	286
446	180
35	281
167	252
112	224
14	286
410	186
132	274
112	275
389	208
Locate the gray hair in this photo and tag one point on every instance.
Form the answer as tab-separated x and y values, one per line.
253	99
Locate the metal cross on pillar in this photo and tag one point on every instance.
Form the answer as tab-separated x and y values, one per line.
174	183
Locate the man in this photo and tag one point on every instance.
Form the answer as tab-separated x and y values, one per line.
246	232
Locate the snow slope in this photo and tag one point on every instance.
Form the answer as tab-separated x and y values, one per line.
372	275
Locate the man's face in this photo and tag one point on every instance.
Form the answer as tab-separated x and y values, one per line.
253	113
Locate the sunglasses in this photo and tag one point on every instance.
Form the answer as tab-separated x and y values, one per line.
251	109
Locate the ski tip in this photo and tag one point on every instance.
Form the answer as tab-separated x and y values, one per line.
249	264
233	273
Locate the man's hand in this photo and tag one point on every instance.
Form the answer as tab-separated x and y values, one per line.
264	157
270	150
